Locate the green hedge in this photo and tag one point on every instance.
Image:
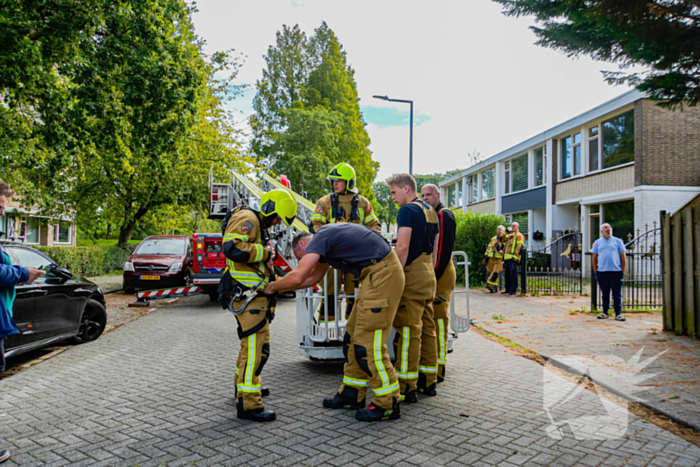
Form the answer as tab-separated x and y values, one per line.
89	260
474	231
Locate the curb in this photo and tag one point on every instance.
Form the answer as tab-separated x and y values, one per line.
672	416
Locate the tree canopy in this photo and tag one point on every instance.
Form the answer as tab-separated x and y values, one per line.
307	114
661	35
132	120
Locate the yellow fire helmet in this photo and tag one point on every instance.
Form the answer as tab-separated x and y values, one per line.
279	202
343	171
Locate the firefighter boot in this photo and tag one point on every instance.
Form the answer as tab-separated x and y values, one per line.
411	397
430	390
376	414
346	400
256	415
441	374
264	391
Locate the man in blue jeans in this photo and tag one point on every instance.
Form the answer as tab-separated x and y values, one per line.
609	261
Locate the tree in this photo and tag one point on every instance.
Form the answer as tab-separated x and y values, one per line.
661	35
308	86
310	147
141	122
385	207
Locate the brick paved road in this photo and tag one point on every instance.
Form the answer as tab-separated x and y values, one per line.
158	392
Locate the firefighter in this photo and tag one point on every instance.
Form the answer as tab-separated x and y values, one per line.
345	204
444	271
248	271
354	249
494	259
415	321
514	242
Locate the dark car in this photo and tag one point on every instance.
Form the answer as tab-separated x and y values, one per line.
159	261
55	307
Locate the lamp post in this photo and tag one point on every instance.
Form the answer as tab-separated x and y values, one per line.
410	144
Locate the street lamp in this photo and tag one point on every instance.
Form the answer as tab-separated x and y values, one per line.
410	144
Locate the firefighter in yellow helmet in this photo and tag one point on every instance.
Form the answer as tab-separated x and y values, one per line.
345	204
248	271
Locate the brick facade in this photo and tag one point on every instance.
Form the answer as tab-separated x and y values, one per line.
606	182
667	145
488	206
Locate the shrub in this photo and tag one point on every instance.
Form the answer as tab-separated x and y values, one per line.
89	260
474	231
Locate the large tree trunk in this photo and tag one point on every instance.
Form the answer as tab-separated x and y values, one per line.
125	235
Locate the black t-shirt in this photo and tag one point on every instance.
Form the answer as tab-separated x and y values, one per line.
446	241
422	233
344	245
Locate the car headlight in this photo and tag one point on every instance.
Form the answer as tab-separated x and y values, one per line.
129	266
175	267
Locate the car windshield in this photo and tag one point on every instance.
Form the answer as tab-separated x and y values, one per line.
162	246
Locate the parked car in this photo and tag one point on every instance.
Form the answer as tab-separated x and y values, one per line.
55	307
159	261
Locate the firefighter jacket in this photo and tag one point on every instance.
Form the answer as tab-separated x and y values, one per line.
495	245
348	207
244	248
514	242
447	226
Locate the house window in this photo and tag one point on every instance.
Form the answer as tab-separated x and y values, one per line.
540	161
458	194
594	223
566	158
507	172
577	154
618	140
62	232
451	196
29	230
620	216
520	175
522	219
473	188
593	140
487	185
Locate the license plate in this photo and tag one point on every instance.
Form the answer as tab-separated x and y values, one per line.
149	278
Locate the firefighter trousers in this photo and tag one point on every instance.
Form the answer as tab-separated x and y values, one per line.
366	333
445	286
494	268
346	282
416	339
254	325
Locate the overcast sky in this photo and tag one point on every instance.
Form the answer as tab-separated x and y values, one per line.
477	80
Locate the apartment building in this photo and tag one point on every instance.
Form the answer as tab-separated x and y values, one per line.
621	162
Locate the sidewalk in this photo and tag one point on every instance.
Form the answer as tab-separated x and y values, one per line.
546	325
108	283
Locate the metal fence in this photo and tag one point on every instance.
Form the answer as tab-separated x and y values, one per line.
642	288
555	269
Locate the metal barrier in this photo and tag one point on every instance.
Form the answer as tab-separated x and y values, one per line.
458	323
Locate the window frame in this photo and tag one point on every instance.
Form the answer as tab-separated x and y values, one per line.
598	139
493	184
56	240
544	166
525	155
507	175
562	164
24	222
